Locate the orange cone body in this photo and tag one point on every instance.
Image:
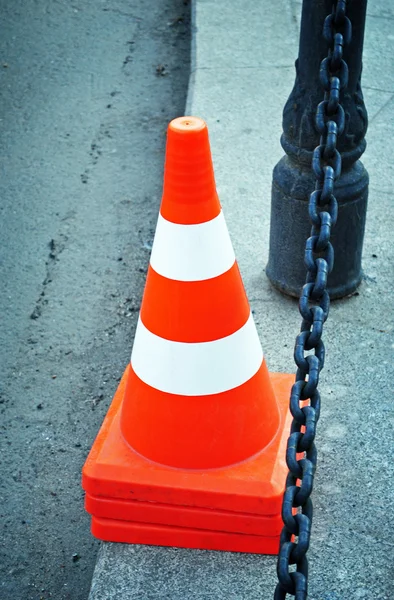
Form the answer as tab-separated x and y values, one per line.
196	425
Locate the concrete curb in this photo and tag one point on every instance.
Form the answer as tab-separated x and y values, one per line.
241	94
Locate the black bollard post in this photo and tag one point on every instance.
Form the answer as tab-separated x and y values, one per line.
293	180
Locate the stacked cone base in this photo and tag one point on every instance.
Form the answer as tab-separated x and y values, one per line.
237	508
111	530
191	517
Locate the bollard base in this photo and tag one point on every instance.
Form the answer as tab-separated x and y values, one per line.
290	228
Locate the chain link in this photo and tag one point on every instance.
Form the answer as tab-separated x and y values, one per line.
301	454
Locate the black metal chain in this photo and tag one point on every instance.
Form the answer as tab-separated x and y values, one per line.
301	454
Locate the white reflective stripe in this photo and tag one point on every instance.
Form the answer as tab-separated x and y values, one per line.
192	252
192	369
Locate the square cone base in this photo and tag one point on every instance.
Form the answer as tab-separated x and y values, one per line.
135	500
191	517
111	530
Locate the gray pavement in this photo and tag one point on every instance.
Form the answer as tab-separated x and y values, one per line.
242	74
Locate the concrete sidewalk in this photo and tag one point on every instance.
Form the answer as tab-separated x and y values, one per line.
243	72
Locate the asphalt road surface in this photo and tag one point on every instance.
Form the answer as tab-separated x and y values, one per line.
86	91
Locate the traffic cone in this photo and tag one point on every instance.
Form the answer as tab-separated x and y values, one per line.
191	452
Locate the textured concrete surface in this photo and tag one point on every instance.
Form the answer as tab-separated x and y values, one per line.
86	92
243	73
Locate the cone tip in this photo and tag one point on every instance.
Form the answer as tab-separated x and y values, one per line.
185	125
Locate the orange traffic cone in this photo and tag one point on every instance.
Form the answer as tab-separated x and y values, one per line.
191	452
